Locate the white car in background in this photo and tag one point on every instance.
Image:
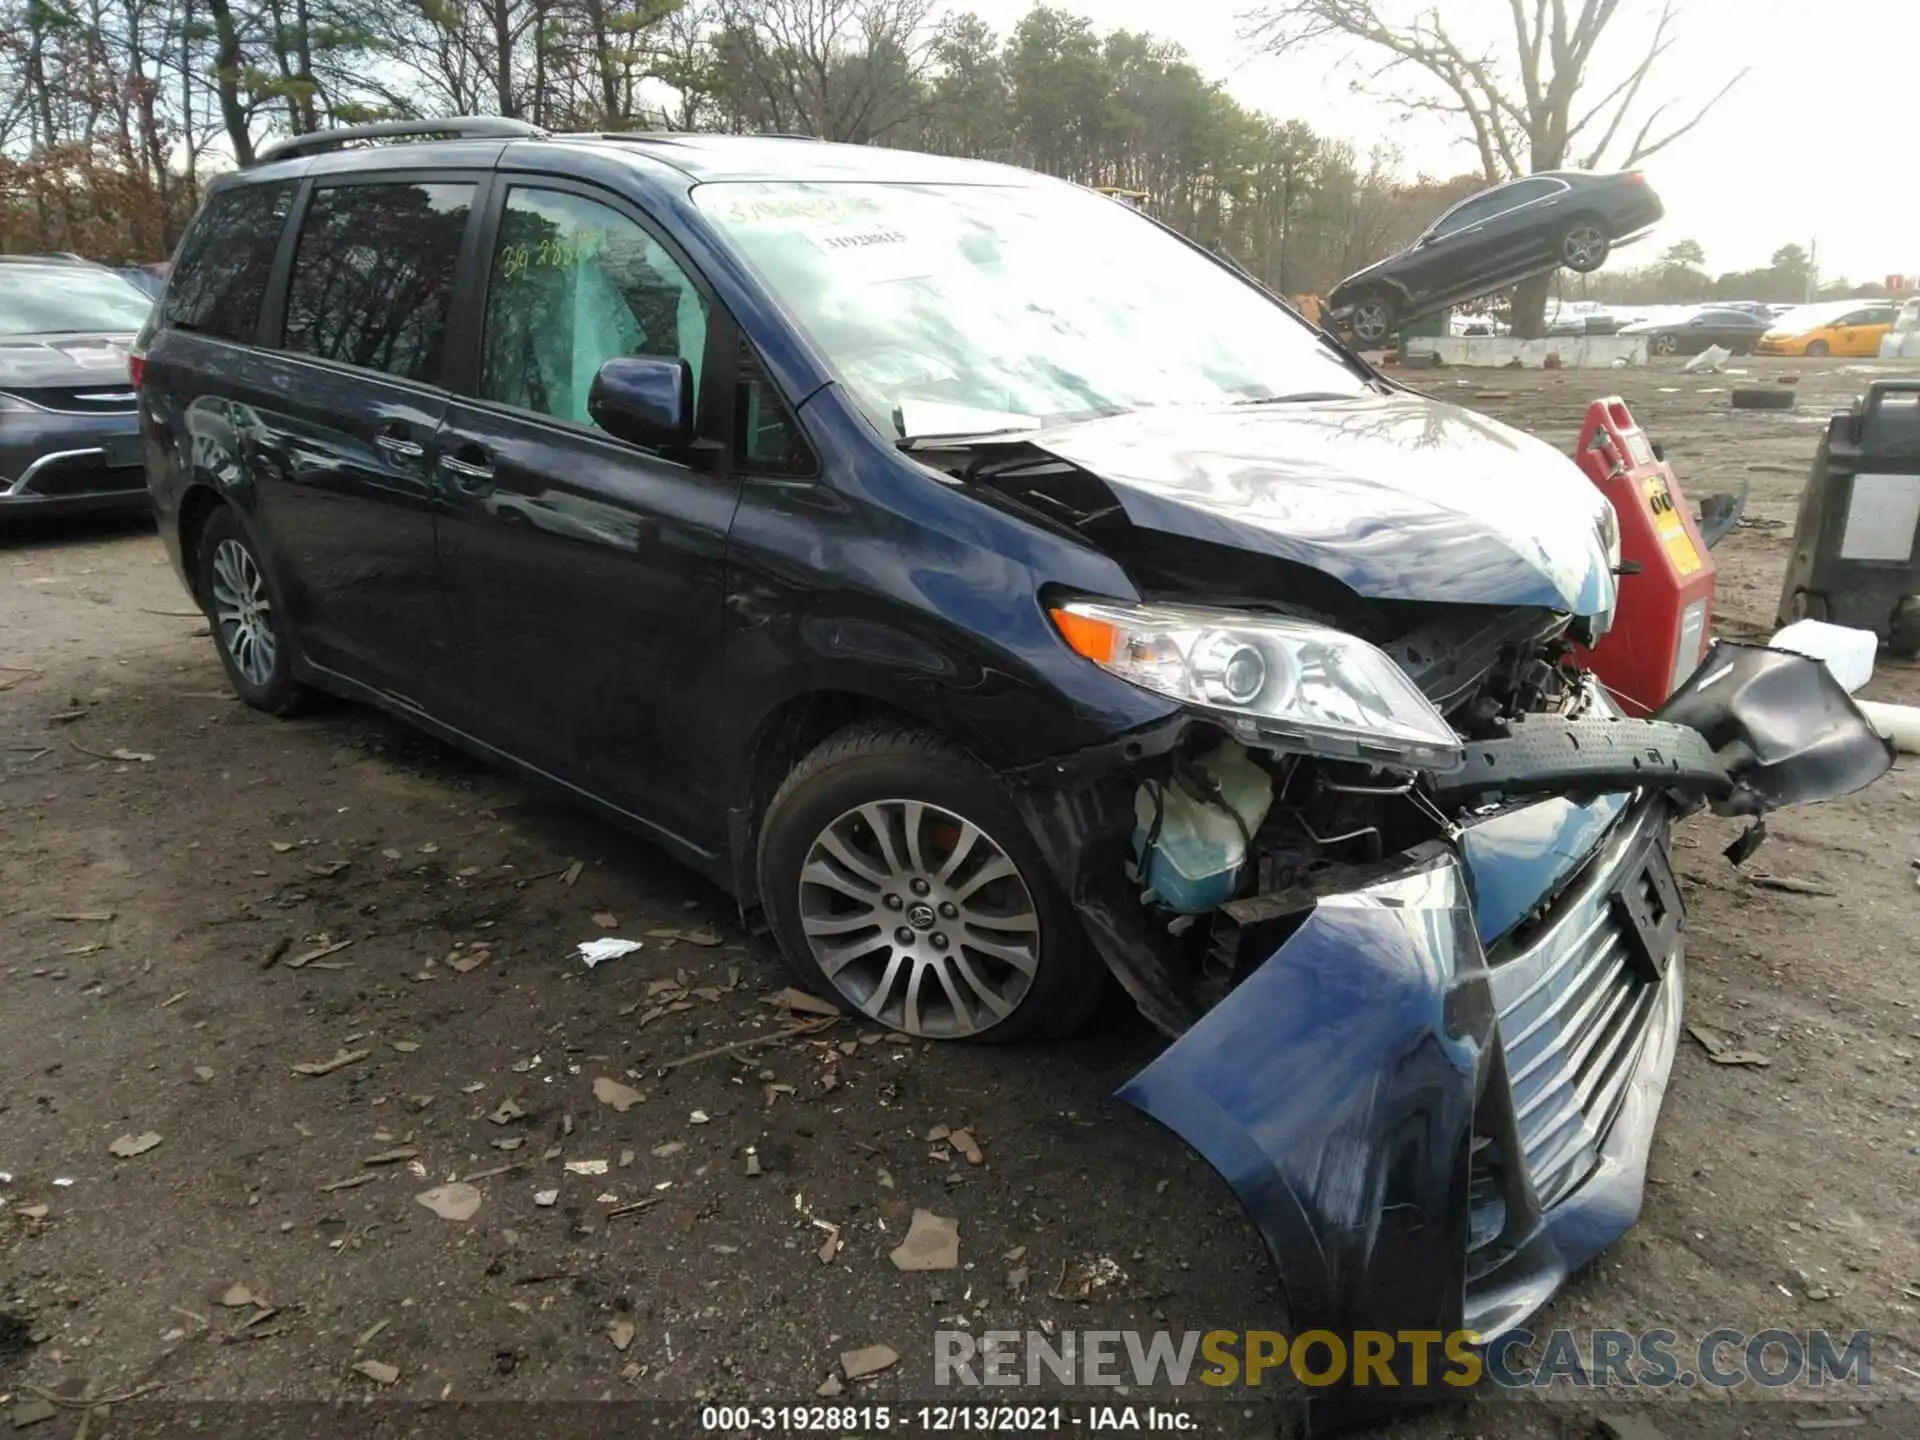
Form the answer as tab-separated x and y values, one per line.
1477	326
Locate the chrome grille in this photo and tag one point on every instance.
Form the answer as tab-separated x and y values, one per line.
1573	1014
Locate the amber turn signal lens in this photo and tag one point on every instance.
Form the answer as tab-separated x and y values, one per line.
1095	639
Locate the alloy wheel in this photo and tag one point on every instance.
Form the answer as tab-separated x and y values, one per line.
1371	320
1586	247
244	612
919	919
1665	345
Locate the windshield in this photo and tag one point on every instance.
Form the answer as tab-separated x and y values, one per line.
58	299
958	309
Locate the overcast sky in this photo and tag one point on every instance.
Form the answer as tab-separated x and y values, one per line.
1817	143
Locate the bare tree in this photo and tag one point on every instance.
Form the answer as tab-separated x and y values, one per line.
852	70
1534	100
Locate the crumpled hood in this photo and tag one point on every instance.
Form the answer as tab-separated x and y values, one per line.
1397	496
64	361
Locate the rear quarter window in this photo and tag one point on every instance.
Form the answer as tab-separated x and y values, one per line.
220	276
373	275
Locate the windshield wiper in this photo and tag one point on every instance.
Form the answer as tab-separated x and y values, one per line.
911	443
1300	398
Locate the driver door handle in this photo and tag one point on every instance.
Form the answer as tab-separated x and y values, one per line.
399	447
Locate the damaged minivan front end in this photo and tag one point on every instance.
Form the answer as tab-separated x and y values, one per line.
1394	873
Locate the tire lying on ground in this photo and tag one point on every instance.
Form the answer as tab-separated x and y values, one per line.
1762	397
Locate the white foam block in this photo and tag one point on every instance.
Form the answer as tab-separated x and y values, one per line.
1847	652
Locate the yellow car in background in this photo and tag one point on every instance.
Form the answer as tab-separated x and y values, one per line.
1834	327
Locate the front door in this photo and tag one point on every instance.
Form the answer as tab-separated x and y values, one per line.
1859	334
585	575
333	427
1451	260
1526	232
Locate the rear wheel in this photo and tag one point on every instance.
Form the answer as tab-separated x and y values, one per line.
902	882
1373	319
249	624
1584	247
1904	636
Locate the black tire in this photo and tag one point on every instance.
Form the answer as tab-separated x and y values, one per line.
880	767
261	674
1585	245
1666	344
1904	632
1374	318
1762	397
1817	350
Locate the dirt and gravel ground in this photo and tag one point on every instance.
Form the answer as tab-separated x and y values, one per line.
153	909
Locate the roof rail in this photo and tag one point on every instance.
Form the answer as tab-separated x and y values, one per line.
453	127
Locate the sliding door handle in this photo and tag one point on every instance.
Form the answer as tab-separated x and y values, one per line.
467	476
400	448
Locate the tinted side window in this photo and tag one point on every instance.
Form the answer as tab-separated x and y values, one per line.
1528	191
576	283
220	275
1471	213
373	275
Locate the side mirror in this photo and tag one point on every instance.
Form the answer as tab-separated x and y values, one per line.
646	400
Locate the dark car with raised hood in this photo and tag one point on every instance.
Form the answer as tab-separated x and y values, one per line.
1497	238
1000	596
69	423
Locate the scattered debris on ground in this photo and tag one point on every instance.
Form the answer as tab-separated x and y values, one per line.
458	1201
870	1360
932	1243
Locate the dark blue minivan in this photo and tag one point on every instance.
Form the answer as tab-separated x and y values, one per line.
1000	596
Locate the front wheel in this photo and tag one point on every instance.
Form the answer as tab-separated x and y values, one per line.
1666	344
901	881
249	625
1817	350
1584	247
1373	320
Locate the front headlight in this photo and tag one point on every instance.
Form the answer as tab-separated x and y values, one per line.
1275	681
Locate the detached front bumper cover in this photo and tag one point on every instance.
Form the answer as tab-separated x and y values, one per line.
1437	1097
